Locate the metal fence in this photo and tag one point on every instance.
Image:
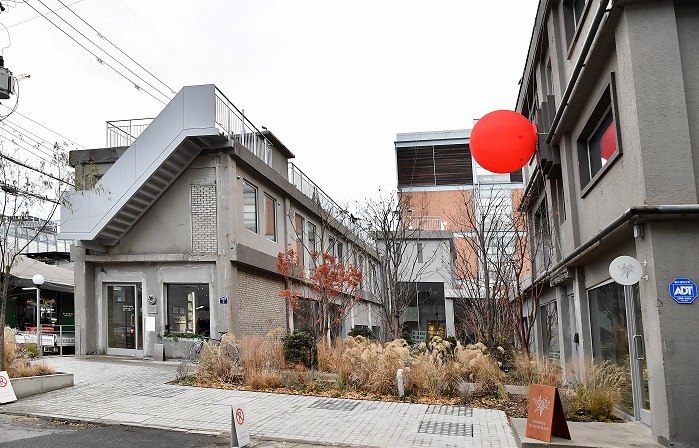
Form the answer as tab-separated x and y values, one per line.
235	126
124	132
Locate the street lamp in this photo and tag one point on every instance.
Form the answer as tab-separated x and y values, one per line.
38	280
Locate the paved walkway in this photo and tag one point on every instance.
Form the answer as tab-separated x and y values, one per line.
109	390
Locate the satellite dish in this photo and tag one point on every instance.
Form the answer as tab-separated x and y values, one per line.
626	270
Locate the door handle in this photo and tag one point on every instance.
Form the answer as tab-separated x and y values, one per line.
638	347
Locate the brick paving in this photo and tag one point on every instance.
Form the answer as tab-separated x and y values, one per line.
121	391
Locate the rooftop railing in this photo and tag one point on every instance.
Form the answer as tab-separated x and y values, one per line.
425	223
124	132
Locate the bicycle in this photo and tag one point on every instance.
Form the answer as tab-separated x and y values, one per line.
229	349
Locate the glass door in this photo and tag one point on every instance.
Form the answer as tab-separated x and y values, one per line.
124	334
637	354
617	337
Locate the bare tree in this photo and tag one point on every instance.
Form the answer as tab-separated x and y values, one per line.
486	238
389	220
29	193
534	255
322	285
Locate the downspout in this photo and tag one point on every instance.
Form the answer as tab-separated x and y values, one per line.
647	211
599	15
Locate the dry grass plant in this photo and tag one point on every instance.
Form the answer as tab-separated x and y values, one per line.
21	366
214	366
262	361
532	371
595	396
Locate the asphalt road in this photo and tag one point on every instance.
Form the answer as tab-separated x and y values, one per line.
30	432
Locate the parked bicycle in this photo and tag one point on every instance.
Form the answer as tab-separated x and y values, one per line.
228	349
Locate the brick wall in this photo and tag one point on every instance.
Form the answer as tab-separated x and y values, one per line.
203	211
260	308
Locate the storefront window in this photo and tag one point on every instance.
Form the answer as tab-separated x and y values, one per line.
188	309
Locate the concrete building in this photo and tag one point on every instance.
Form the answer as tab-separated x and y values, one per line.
181	232
438	180
612	86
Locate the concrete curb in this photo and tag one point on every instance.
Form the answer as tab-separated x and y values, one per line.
33	385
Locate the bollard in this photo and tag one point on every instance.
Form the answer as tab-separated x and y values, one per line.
399	380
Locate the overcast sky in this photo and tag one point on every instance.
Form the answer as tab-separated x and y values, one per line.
334	80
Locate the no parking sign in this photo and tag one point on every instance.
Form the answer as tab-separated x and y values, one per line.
7	394
240	435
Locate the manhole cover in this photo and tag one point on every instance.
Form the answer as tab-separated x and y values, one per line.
449	410
335	405
160	392
446	429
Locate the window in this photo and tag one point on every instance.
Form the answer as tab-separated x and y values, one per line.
312	247
420	258
331	246
270	218
549	330
188	309
340	254
250	206
574	12
299	223
598	143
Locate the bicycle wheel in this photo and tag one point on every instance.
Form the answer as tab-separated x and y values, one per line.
195	352
232	352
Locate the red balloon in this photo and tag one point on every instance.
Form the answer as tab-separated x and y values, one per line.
503	141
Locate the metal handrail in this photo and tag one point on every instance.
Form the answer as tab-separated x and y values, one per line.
236	126
124	132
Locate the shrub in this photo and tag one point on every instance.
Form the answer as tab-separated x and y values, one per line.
596	395
300	347
362	331
215	366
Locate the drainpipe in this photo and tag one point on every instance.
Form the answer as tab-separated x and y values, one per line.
646	212
578	67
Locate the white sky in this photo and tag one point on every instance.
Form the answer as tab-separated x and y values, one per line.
334	80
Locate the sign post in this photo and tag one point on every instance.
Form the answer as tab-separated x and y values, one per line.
7	394
545	417
240	435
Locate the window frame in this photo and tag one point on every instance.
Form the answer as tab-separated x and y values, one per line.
247	183
299	225
606	104
273	235
312	237
169	298
572	26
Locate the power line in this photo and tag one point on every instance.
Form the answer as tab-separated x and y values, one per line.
29	167
162	39
17	131
50	130
100	35
93	54
40	15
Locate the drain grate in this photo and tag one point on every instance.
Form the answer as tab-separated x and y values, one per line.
334	405
449	410
446	429
160	392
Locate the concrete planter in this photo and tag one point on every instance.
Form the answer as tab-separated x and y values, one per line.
177	349
33	385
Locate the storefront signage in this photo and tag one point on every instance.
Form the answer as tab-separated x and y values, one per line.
545	417
7	394
683	290
240	434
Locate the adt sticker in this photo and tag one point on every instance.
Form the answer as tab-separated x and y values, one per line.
223	300
683	290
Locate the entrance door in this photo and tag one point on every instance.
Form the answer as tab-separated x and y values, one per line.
617	337
637	354
124	334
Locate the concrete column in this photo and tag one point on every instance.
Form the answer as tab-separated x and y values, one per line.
85	304
669	329
225	284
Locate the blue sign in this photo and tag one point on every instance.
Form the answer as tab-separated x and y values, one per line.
683	290
224	300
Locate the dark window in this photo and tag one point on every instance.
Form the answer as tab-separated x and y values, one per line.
573	13
270	218
188	309
598	143
250	206
312	237
420	258
299	223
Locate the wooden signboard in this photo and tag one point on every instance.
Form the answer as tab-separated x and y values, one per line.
545	417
